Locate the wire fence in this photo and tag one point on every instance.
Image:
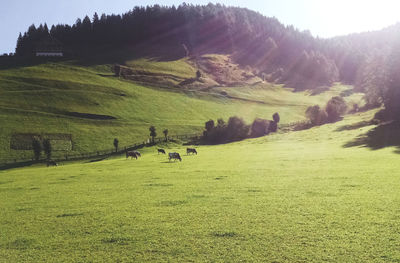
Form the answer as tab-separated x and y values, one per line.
101	154
97	154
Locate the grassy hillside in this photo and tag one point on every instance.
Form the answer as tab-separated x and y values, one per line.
43	99
309	196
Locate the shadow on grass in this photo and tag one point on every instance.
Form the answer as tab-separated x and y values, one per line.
97	160
385	135
121	54
16	165
20	62
354	126
103	55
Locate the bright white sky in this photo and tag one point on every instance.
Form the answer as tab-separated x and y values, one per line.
324	18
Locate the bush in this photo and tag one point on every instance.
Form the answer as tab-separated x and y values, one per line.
237	129
209	125
220	123
260	127
276	117
273	126
316	115
335	108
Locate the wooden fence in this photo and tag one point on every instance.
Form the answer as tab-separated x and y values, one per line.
96	154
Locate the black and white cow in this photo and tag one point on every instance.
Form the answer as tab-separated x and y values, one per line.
191	150
131	154
174	156
161	151
51	163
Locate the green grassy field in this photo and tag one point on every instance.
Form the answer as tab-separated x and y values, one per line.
38	99
319	195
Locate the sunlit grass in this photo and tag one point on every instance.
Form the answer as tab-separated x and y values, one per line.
293	197
181	68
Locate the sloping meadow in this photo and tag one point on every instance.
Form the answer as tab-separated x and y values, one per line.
95	107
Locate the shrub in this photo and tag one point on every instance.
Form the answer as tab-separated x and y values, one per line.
220	123
276	117
260	127
273	126
234	130
237	129
335	108
209	125
316	115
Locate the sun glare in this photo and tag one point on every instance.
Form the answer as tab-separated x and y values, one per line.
340	17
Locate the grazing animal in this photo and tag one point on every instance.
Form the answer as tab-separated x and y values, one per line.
161	151
191	150
174	156
51	163
137	154
131	154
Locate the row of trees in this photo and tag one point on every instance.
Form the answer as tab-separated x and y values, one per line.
189	29
381	81
236	129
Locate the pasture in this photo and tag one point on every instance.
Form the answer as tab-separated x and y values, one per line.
323	194
57	97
